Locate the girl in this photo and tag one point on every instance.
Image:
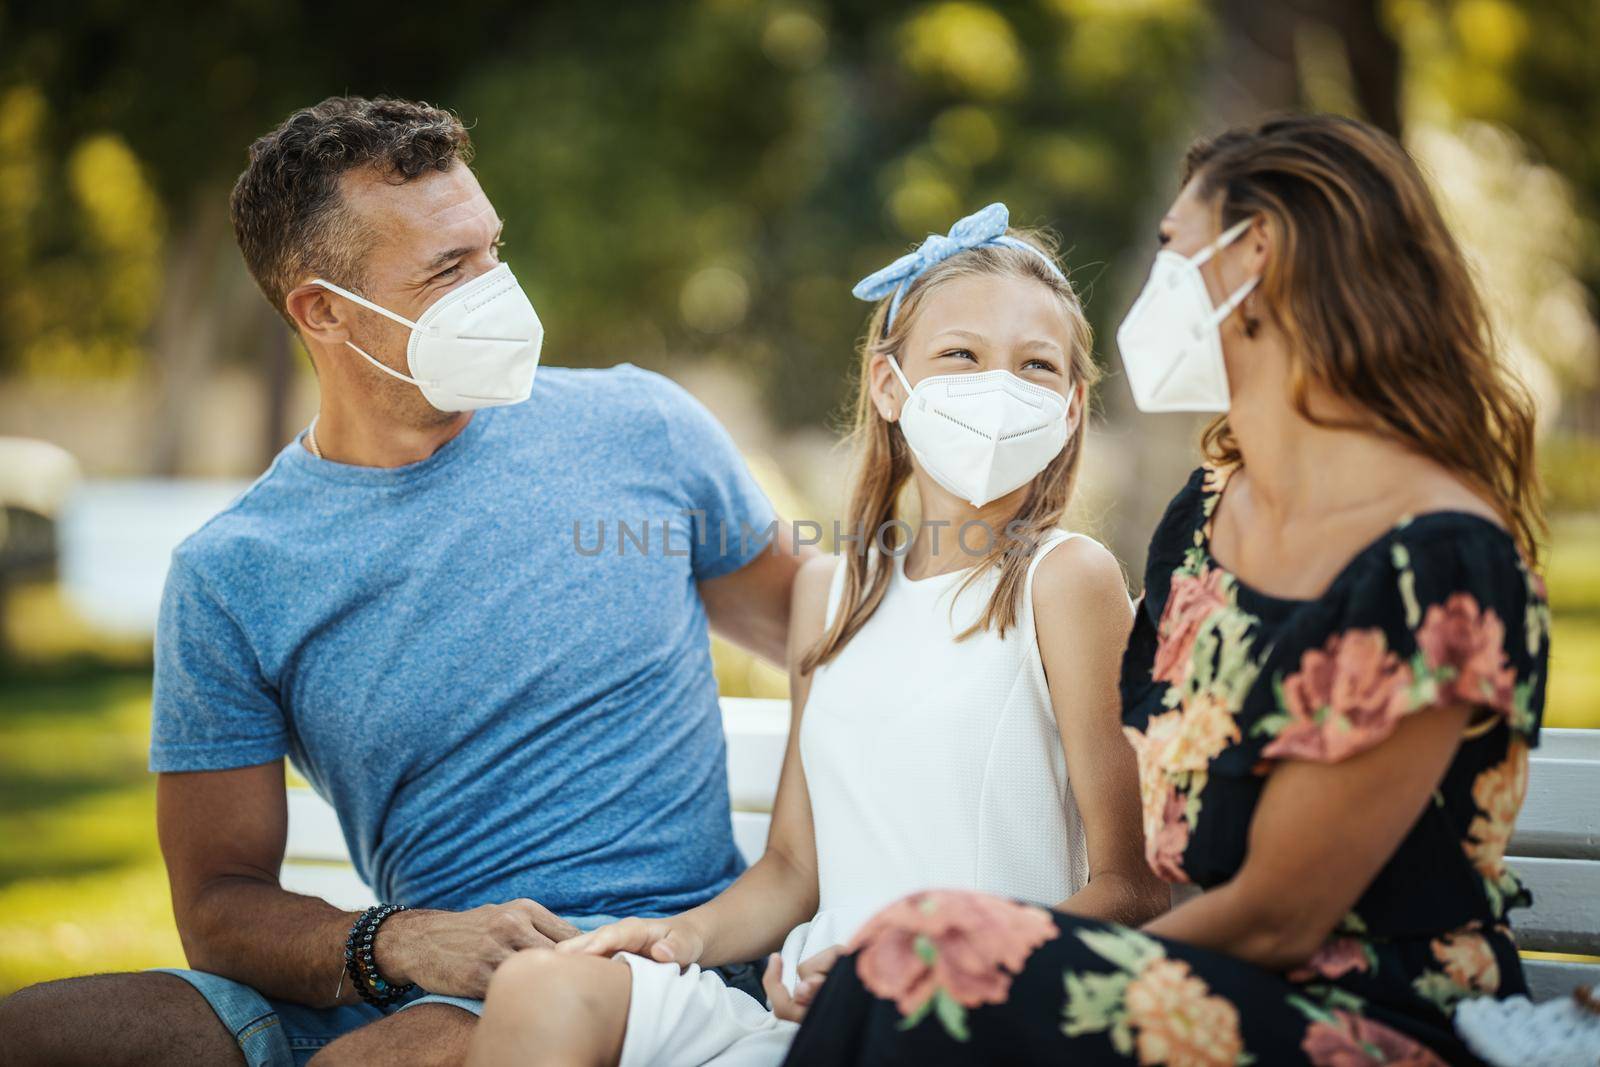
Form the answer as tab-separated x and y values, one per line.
1335	675
946	687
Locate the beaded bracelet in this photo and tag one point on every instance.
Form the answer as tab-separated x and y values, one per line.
358	961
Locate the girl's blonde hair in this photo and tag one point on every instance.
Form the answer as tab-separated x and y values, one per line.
883	459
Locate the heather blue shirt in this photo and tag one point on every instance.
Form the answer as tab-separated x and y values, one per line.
494	713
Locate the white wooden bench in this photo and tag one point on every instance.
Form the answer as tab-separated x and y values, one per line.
1556	848
317	863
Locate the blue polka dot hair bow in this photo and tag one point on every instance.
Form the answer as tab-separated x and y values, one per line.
986	227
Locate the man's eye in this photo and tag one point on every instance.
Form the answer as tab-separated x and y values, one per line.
448	272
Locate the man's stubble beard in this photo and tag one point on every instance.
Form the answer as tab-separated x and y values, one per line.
400	403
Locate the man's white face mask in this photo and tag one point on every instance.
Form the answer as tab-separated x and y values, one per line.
982	435
475	347
1171	342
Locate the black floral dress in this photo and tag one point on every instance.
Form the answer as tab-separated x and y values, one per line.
1220	683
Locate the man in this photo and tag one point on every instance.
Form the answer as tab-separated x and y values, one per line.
518	735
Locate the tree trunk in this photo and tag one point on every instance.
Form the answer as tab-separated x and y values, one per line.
185	334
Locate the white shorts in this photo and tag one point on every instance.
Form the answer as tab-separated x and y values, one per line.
686	1018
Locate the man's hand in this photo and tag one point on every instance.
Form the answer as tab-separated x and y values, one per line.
455	953
672	940
811	974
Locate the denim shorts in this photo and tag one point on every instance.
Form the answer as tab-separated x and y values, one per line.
278	1033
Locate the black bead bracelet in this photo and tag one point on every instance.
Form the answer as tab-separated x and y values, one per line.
361	967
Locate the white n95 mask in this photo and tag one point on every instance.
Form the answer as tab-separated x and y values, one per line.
982	435
1170	340
477	346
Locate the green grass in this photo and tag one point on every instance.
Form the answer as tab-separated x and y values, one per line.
1573	576
81	883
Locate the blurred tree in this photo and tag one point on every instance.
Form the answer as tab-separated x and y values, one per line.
1529	67
186	88
1525	64
681	177
686	177
718	188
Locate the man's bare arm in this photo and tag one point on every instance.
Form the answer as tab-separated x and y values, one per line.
223	835
750	607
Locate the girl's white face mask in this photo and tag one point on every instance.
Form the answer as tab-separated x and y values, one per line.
475	347
982	435
1170	340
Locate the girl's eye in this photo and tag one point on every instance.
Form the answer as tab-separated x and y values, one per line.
960	353
1041	364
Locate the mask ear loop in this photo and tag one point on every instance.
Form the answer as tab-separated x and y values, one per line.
369	305
894	365
1230	305
1224	239
1220	314
386	313
418	382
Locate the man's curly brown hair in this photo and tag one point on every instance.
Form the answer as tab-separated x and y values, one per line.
288	214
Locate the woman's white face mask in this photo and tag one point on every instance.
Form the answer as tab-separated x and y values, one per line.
477	346
982	435
1171	342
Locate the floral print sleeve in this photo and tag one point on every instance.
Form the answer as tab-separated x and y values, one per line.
1438	619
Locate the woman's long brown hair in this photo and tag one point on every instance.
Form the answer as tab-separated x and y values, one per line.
883	460
1377	302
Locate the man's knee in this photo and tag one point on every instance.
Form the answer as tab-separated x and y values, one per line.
428	1035
114	1019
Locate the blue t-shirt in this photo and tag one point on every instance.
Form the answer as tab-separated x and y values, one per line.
496	709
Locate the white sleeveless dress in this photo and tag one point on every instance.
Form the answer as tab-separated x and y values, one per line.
931	763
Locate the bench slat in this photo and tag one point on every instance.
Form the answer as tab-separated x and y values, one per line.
314	832
1549	979
757	732
1569	744
1560	818
338	885
1565	916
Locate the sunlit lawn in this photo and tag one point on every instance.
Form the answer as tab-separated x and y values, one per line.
81	884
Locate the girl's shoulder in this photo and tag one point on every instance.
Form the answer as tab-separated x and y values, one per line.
814	585
1066	567
1077	583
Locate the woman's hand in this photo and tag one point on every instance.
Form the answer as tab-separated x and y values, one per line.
671	940
811	973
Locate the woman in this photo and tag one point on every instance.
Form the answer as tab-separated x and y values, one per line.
1334	677
946	730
